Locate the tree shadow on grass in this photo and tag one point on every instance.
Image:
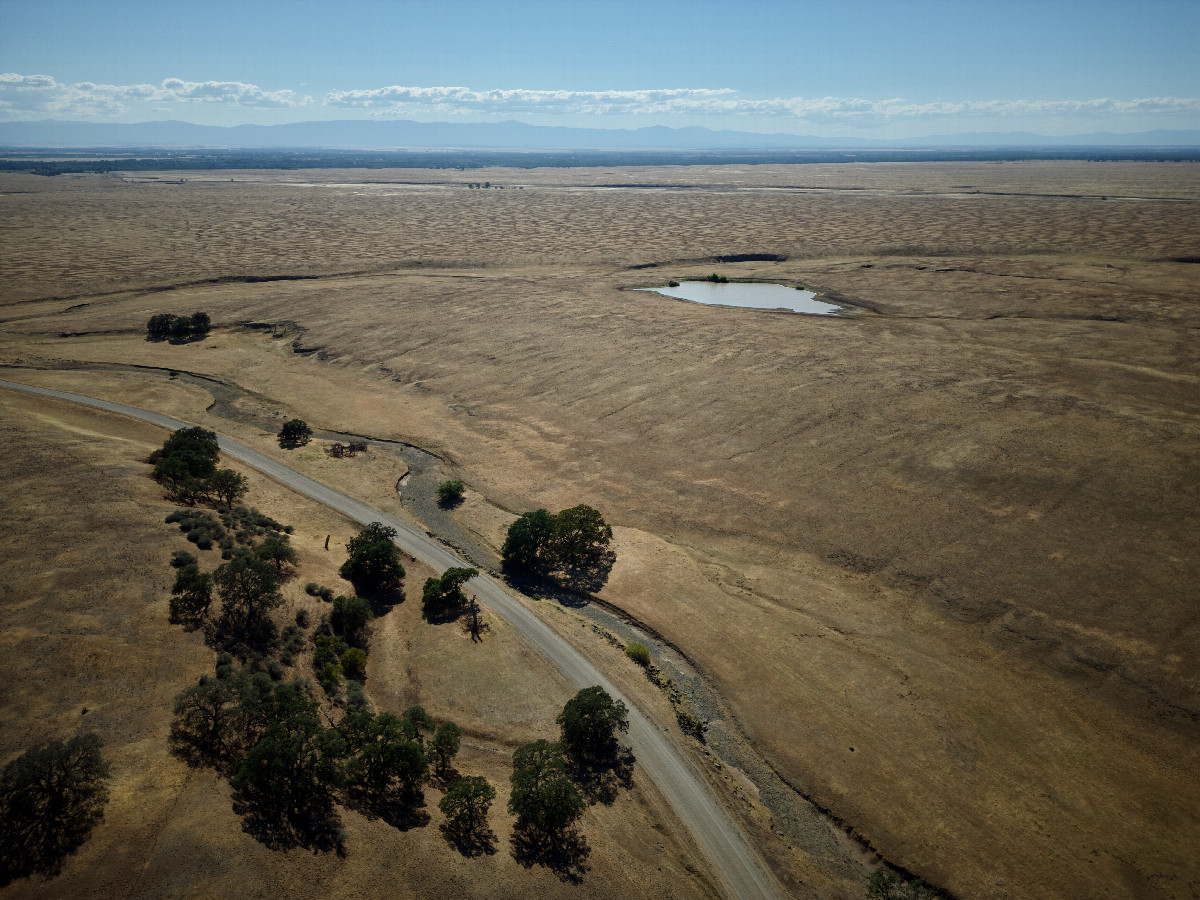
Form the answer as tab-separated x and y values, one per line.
569	587
186	614
395	808
316	826
601	780
470	842
565	854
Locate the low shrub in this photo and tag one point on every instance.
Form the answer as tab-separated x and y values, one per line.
639	653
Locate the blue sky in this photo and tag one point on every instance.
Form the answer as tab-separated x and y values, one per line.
871	68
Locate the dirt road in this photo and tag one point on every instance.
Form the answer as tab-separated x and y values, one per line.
734	861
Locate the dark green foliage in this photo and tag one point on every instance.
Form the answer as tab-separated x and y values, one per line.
51	796
580	536
294	433
191	596
327	661
354	664
442	598
444	745
590	722
227	487
201	731
249	588
312	589
547	807
450	493
529	544
249	524
185	462
639	653
302	617
417	723
350	618
373	566
572	545
159	327
465	807
285	781
717	279
599	765
356	697
181	558
387	768
179	329
277	549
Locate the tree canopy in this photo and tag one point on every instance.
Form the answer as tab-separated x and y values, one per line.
571	544
373	566
543	798
590	722
50	798
178	329
443	597
295	433
465	807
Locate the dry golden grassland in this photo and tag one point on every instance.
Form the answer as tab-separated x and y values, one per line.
87	648
954	530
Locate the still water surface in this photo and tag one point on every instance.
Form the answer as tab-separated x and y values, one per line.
752	296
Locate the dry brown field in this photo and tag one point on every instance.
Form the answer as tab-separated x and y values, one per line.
939	556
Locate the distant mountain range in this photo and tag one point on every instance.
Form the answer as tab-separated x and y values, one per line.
404	133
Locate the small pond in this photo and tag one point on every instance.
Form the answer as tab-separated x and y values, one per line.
751	295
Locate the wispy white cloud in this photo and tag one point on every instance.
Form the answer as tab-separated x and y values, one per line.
30	95
27	96
519	100
399	100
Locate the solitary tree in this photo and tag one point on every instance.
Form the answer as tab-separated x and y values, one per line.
374	563
294	433
50	798
450	493
590	722
572	542
443	596
277	549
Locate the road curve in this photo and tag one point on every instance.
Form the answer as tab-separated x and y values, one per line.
734	860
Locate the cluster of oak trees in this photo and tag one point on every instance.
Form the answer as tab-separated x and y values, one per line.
290	763
186	465
178	329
